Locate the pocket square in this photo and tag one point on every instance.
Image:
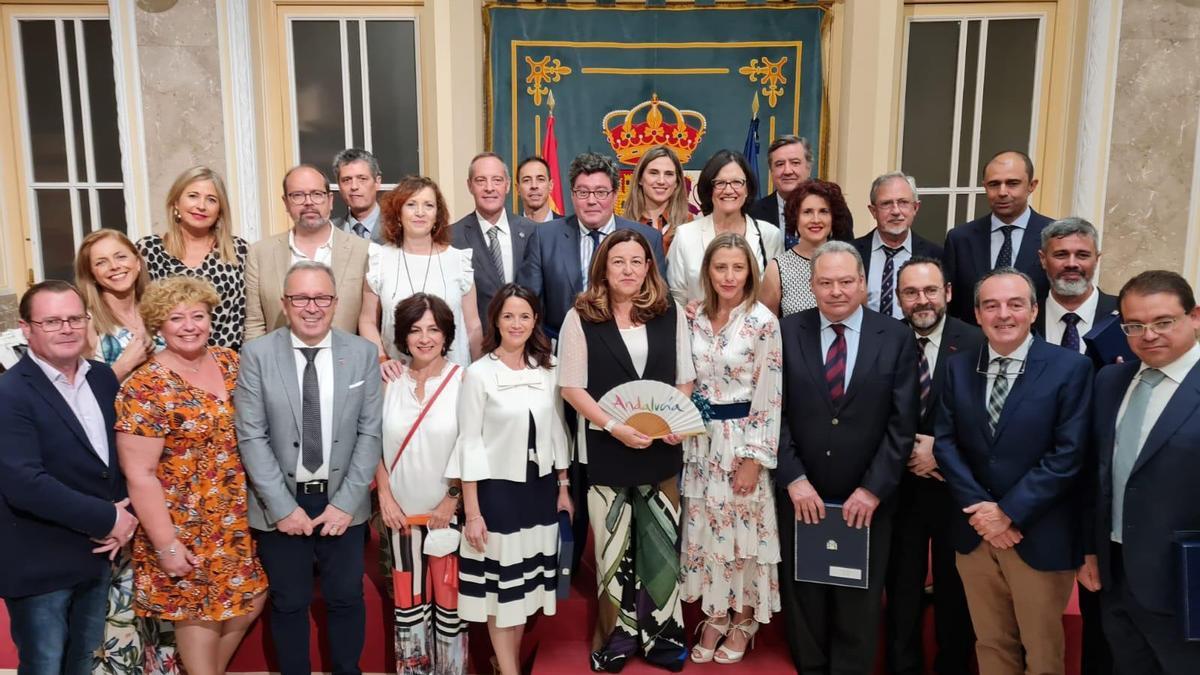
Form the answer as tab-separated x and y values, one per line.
356	384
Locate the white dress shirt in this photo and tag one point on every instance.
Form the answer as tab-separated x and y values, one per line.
324	365
323	254
504	236
82	401
1018	234
853	332
549	216
691	240
934	344
1015	366
586	247
875	276
1161	394
1055	326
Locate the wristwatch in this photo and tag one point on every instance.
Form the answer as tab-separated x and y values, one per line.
454	492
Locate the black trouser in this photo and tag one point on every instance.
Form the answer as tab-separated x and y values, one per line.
831	630
924	513
1096	658
1143	642
288	560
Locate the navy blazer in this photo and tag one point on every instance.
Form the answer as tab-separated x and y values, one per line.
551	269
1105	305
468	234
920	247
957	337
967	256
1031	464
866	439
767	210
1160	497
56	495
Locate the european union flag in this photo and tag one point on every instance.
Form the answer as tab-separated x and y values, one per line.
750	151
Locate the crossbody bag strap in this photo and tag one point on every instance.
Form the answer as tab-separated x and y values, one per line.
413	429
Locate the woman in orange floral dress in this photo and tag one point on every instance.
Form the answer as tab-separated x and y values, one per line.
193	556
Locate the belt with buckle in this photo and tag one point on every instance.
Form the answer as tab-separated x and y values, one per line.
312	487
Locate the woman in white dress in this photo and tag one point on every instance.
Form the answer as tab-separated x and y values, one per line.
420	427
731	539
417	258
724	189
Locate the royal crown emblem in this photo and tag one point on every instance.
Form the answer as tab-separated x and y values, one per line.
630	138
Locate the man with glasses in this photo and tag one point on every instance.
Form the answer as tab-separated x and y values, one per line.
313	237
560	252
1143	494
62	495
496	238
924	508
894	205
309	431
1009	440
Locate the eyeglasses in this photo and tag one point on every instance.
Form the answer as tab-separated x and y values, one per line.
1159	327
902	204
301	301
912	293
719	185
315	196
598	194
55	324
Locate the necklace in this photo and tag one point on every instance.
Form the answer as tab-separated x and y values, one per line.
428	264
187	364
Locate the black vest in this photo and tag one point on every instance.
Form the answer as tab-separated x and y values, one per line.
610	462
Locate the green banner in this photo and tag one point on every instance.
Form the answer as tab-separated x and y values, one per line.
624	79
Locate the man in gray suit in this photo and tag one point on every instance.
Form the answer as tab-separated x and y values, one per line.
496	237
359	180
309	430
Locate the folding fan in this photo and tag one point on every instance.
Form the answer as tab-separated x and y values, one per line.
654	408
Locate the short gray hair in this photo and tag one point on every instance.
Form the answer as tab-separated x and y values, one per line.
835	246
482	155
310	265
1066	227
889	177
356	155
1004	272
593	162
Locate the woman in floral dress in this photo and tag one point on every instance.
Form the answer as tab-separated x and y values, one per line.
730	538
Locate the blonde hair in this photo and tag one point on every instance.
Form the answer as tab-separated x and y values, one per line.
222	230
165	295
102	317
651	300
677	206
753	282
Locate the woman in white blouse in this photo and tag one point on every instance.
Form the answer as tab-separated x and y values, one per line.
511	445
420	427
417	258
724	189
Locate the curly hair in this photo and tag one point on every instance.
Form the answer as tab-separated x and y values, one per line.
842	230
410	310
164	295
393	203
652	299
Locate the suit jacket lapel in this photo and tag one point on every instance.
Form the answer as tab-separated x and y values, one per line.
285	359
1027	255
864	361
981	245
610	335
1022	384
109	413
46	389
476	240
341	380
340	259
518	241
814	360
1179	409
570	258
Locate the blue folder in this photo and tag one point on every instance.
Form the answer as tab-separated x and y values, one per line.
1105	342
566	551
831	552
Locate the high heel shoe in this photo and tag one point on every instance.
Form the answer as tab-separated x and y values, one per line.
705	654
726	656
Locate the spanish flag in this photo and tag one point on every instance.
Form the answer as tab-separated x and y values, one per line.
550	154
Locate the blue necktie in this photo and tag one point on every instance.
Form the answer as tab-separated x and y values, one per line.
1070	338
1129	442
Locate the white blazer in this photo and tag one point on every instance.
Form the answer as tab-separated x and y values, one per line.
493	416
691	240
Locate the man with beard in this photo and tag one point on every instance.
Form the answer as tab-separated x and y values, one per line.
1069	255
925	509
894	205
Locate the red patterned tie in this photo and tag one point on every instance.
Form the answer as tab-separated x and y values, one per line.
835	363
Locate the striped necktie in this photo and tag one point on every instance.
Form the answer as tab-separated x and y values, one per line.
835	364
887	283
494	251
923	375
995	404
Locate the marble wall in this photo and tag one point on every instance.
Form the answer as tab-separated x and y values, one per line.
1153	144
182	110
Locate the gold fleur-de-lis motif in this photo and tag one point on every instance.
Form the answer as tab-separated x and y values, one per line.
542	71
770	74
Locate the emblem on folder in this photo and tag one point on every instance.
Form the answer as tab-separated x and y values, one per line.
831	545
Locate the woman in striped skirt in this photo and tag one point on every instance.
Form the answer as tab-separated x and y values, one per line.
511	446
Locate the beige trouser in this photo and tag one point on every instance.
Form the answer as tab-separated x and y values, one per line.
1015	607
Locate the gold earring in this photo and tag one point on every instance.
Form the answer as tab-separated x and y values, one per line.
175	214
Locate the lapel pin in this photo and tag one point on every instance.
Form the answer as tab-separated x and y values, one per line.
521	235
341	362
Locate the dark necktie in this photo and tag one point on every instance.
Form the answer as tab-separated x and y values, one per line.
1070	338
493	235
310	412
361	230
887	283
835	364
1005	257
595	236
995	404
923	376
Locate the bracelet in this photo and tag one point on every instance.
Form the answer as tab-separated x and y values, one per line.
564	482
473	518
610	425
171	550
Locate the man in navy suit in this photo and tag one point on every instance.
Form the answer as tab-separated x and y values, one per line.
1009	236
560	251
495	237
850	414
535	186
63	508
894	205
1010	440
1146	426
924	507
790	160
